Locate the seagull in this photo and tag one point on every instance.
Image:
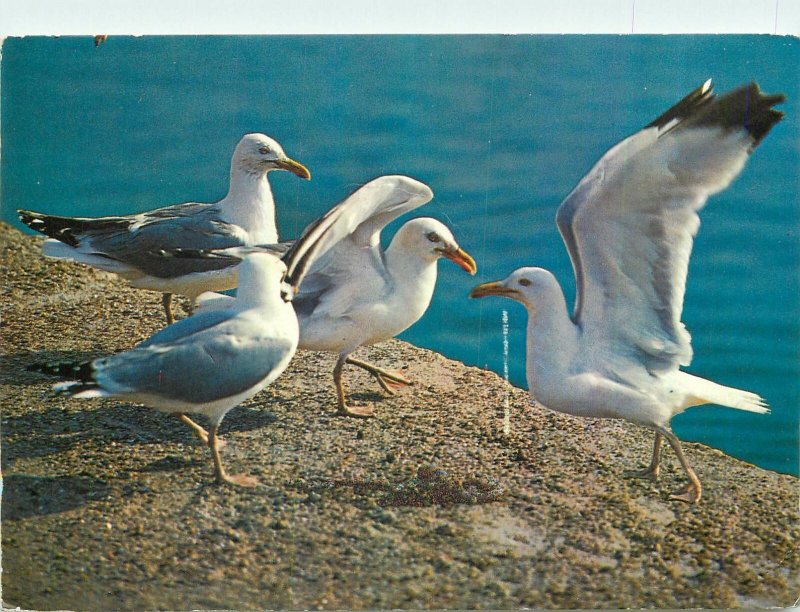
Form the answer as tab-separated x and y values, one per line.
629	226
359	294
125	245
212	361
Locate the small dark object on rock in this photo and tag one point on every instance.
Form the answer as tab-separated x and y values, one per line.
445	529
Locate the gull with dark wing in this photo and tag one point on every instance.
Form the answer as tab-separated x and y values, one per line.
359	294
126	245
211	362
629	226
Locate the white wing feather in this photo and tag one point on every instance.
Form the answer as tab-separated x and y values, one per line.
629	226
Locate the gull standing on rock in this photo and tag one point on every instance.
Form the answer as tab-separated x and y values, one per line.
213	361
359	294
629	226
126	245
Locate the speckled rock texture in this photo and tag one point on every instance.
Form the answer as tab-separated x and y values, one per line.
432	504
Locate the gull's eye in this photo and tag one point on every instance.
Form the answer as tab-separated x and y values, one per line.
264	150
524	282
433	237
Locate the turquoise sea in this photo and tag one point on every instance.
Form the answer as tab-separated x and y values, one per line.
501	127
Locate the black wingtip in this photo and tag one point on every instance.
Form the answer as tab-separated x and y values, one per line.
687	107
70	230
32	219
68	370
745	108
185	253
59	228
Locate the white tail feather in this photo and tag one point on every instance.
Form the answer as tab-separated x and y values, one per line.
209	301
58	250
69	388
702	391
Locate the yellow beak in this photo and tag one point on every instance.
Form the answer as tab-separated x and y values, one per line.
294	167
462	259
493	288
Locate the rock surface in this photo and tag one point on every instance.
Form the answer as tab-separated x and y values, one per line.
430	505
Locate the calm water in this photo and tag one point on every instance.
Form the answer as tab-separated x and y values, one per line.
501	128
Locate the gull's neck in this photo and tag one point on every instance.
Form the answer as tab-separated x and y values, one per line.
260	292
552	341
249	204
414	278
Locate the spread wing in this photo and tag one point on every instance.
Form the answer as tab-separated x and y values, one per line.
352	254
630	223
337	249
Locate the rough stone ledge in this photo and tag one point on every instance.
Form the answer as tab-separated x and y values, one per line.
430	505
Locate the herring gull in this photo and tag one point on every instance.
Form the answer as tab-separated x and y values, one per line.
125	245
629	227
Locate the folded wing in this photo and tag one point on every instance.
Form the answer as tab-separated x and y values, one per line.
129	244
185	364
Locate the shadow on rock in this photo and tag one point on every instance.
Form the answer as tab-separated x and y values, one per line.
59	428
26	496
366	397
248	418
171	463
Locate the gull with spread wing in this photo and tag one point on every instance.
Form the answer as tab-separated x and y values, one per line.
126	245
358	294
629	226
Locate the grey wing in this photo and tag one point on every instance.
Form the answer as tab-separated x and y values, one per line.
378	203
137	241
629	225
339	256
186	261
337	280
585	190
204	367
185	226
185	328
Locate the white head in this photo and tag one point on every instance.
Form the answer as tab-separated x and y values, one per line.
533	287
259	154
261	280
430	239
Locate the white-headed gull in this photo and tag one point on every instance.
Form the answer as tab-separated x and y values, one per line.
126	245
629	227
211	362
358	293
